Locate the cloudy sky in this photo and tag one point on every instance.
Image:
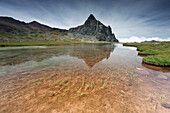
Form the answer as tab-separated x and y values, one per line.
131	20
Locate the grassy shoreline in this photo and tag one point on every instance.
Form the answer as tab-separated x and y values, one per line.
47	44
158	53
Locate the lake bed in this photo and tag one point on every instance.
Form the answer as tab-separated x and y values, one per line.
81	78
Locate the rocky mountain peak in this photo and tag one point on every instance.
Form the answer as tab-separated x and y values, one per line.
90	20
93	29
91	17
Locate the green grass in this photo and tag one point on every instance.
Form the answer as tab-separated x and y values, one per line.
41	39
158	53
35	44
44	44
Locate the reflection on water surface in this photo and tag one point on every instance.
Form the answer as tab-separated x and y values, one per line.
90	71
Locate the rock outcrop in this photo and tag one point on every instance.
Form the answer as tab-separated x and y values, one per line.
93	29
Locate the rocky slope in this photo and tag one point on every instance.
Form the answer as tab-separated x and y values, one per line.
93	29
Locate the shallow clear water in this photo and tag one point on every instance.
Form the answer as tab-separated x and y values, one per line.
21	64
18	59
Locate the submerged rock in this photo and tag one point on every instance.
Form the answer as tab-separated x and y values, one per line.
162	77
166	105
93	29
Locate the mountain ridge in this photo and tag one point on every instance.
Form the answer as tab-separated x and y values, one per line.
31	26
92	29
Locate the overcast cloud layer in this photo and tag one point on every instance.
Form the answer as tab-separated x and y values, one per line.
143	19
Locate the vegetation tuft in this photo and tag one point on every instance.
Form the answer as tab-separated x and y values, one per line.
158	53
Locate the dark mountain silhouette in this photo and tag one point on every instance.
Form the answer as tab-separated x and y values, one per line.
8	24
14	30
93	29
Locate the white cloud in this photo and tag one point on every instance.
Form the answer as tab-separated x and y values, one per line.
140	39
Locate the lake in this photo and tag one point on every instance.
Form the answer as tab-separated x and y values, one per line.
81	78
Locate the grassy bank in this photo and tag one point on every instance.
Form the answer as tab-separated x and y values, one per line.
158	53
41	39
45	44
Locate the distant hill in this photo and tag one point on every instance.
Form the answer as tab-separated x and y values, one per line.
8	24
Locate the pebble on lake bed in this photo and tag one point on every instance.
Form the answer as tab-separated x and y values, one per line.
143	72
162	77
166	105
139	68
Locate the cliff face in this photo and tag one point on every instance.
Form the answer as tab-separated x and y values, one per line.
93	29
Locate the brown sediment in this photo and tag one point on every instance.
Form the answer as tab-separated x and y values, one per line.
144	54
141	55
156	68
157	65
61	89
91	85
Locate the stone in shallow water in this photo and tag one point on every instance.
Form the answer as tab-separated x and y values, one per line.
143	72
162	77
139	68
166	105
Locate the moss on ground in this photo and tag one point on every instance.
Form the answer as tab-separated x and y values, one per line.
50	38
158	53
45	44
